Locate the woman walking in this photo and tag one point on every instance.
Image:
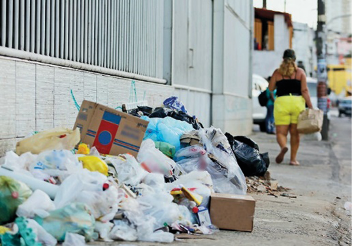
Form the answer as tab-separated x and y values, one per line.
291	96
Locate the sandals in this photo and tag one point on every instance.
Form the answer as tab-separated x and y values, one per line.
281	155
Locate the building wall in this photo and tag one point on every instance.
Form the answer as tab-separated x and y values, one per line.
37	96
302	44
265	62
232	106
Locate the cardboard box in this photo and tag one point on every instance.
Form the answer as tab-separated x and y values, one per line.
232	212
110	131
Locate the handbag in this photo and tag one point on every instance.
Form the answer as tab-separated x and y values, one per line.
310	121
263	99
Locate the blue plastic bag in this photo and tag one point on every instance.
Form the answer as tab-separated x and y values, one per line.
166	130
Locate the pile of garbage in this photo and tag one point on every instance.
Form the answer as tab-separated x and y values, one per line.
57	188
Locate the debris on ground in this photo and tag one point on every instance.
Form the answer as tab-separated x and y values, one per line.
267	185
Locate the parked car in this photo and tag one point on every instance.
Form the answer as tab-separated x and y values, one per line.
259	84
345	106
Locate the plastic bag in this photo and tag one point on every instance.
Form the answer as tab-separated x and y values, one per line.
94	163
166	130
103	229
42	235
38	203
199	182
175	103
17	163
165	148
88	187
75	218
248	157
127	169
123	231
153	161
58	139
12	194
55	159
73	239
226	174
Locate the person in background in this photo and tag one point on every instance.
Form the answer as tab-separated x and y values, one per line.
291	96
269	119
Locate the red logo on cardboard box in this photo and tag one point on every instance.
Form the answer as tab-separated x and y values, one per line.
106	132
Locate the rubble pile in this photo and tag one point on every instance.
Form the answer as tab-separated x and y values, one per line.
144	174
265	184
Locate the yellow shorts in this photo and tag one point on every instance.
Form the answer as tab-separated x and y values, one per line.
287	109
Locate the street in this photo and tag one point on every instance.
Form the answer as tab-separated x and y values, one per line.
322	185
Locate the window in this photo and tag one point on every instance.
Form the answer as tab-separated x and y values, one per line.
263	34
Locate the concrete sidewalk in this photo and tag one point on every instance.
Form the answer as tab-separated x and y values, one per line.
322	185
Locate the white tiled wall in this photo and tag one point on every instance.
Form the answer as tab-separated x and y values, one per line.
37	97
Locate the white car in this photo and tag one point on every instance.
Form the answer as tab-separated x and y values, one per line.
259	84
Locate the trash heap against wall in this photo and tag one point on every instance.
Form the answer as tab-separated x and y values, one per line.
144	174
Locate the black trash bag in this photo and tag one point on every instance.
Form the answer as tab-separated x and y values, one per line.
248	157
177	115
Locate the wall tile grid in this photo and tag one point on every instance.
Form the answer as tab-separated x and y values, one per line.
38	97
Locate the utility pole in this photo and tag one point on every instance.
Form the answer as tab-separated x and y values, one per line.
321	68
264	4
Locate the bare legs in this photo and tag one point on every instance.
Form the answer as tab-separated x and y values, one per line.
281	137
294	144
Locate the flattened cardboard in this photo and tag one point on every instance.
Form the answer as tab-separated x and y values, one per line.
232	212
110	131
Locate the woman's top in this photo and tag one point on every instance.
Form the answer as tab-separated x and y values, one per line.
270	101
286	87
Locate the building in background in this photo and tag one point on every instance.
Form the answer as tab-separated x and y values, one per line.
200	50
338	29
273	32
304	46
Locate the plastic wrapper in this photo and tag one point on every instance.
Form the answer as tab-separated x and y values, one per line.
127	169
94	163
58	139
252	163
166	130
73	239
39	203
75	218
12	194
153	160
88	187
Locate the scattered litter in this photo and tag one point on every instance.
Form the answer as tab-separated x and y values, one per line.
288	195
348	206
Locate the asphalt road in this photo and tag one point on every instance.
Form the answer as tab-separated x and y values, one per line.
322	184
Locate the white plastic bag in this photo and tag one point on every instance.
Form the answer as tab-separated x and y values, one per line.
18	163
58	139
73	239
42	235
103	229
127	169
39	203
87	187
153	160
123	231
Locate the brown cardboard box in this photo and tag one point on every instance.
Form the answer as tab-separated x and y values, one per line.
232	212
110	131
